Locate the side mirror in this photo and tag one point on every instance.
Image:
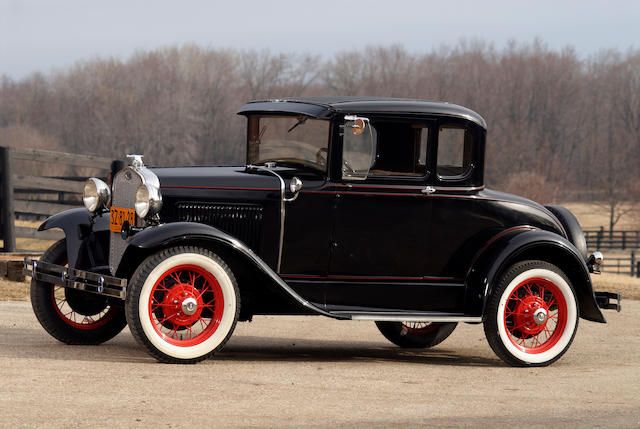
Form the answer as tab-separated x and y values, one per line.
294	186
358	125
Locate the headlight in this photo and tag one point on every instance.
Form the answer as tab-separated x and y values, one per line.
148	200
97	194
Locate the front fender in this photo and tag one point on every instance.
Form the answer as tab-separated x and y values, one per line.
76	224
178	233
525	243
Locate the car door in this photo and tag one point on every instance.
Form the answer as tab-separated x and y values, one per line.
306	248
380	241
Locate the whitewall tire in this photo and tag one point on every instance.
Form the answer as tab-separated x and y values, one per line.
182	304
532	314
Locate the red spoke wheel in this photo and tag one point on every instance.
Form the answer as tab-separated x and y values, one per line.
182	304
186	305
416	334
532	316
72	316
79	309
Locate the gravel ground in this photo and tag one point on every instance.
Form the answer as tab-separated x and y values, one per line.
317	372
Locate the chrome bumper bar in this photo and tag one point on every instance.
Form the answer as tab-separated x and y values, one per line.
76	279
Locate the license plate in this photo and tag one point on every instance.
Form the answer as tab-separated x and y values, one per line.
121	215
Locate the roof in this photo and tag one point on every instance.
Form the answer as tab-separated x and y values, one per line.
324	107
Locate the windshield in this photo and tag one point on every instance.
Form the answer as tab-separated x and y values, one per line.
298	140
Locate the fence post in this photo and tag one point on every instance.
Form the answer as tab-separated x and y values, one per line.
599	237
633	262
8	214
624	239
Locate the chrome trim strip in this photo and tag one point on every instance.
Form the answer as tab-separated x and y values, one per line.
282	208
458	188
414	318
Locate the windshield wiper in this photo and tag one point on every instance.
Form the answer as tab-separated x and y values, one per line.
301	121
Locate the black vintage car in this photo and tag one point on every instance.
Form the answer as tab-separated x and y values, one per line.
351	208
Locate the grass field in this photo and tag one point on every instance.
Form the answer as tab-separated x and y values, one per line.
592	215
30	243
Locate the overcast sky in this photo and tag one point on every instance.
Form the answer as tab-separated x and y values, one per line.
41	35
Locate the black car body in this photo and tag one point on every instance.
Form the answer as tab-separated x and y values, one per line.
352	208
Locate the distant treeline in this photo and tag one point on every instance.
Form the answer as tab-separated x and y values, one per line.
558	124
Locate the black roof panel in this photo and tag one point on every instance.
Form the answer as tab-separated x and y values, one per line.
323	107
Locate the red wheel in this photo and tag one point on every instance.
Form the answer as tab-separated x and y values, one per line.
419	328
532	316
182	304
73	316
416	334
186	305
535	315
74	309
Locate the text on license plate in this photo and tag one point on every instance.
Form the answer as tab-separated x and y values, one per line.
121	215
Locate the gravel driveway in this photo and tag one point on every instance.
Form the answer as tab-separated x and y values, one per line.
317	372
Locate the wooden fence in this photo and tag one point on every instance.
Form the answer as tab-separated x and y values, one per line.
601	239
628	265
33	193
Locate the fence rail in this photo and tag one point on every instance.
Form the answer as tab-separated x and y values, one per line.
628	265
36	194
601	239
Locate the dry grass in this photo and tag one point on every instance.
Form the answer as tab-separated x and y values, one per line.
627	286
13	291
591	215
31	243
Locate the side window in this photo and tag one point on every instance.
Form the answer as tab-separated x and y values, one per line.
358	148
396	149
454	151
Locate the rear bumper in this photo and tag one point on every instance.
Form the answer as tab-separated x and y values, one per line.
76	279
609	300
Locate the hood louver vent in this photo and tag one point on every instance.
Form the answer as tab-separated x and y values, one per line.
243	221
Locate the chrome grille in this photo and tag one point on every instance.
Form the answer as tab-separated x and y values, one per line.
243	221
125	184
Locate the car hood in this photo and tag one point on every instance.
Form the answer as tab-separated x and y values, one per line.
216	178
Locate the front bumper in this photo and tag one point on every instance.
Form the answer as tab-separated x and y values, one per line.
76	279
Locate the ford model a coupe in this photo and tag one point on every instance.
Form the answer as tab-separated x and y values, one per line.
350	208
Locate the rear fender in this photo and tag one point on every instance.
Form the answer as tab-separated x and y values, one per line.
77	225
526	243
153	239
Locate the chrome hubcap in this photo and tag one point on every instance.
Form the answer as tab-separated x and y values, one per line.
189	306
540	316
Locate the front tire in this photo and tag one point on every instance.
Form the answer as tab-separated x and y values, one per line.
182	304
416	334
72	316
532	315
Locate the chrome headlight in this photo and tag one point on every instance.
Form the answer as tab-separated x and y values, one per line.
96	195
148	200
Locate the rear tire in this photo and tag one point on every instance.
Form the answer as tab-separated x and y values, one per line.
532	315
416	334
182	304
72	316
